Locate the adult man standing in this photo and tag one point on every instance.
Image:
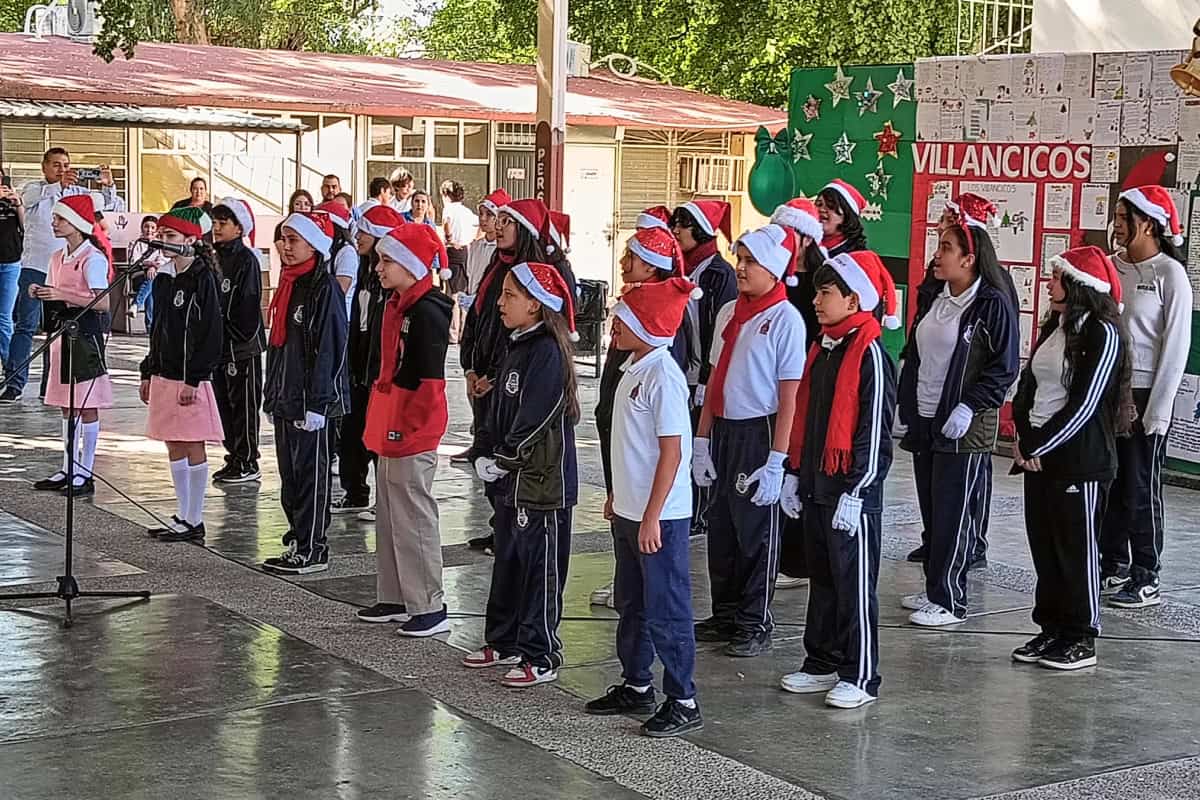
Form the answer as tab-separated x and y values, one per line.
38	198
331	186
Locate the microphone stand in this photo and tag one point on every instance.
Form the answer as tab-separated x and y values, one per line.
68	587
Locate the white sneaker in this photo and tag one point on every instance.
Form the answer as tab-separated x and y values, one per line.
525	675
788	582
602	596
807	683
847	695
934	616
486	656
367	516
914	602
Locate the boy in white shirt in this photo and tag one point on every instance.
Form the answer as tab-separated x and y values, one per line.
651	509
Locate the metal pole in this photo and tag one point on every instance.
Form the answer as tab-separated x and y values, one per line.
551	102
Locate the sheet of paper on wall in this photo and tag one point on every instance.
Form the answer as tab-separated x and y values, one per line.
1187	166
931	243
1043	301
1000	122
1109	66
1057	205
1093	207
1108	123
1135	122
1189	120
940	193
1025	81
929	116
1025	281
923	74
951	120
1081	124
1026	322
1161	83
1055	122
1077	75
945	78
1026	114
977	127
1051	69
1136	76
1106	164
970	78
1193	255
997	78
1183	438
1182	199
1053	244
1016	215
1164	121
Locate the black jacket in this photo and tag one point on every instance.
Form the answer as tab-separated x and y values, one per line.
872	441
484	340
188	331
241	301
1078	443
308	372
370	295
720	286
801	296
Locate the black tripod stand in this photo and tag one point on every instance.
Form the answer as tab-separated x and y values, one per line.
68	587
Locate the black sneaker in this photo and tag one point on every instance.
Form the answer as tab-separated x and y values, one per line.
430	624
85	488
55	483
194	534
484	543
673	719
1114	583
918	556
465	456
1136	594
1032	651
622	700
383	612
292	563
748	644
222	475
1070	655
715	630
978	562
10	395
154	533
347	505
245	473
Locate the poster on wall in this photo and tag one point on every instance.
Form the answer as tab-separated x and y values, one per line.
1016	205
1183	440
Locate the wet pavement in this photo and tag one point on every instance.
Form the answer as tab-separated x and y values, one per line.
232	683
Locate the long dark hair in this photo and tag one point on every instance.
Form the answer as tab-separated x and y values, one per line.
557	326
1165	244
987	265
851	227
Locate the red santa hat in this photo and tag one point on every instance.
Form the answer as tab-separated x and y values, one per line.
418	249
776	247
710	215
655	217
380	220
659	248
1090	266
547	285
560	230
495	201
867	277
242	213
314	227
800	214
532	215
654	310
1156	203
1149	170
852	196
973	210
338	213
79	210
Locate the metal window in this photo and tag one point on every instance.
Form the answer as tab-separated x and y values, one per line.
994	26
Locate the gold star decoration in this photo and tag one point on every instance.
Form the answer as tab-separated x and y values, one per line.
839	88
878	181
843	150
902	89
812	109
800	145
868	99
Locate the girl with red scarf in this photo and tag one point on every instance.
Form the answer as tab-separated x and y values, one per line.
839	454
406	419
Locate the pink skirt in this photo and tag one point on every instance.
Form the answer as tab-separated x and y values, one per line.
96	393
171	422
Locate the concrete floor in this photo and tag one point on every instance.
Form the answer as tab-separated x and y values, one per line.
231	683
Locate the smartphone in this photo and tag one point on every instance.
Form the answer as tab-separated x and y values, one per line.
6	181
87	174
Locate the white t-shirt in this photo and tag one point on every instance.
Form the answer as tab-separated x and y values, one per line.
479	255
769	349
462	223
937	337
95	269
651	402
345	265
1047	365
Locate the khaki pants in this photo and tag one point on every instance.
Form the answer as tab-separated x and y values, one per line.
408	546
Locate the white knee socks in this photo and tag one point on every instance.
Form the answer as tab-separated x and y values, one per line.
179	476
197	482
87	456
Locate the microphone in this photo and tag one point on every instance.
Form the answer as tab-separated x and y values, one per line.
185	250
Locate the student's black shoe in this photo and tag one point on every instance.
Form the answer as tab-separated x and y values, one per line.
192	533
245	473
978	562
714	630
292	563
748	644
55	483
10	395
349	505
464	456
383	612
918	556
1136	594
673	719
154	533
622	700
485	543
83	488
1032	651
1068	655
222	475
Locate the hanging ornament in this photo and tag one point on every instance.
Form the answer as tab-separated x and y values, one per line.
902	89
800	145
839	88
889	141
771	182
868	99
812	109
843	150
878	181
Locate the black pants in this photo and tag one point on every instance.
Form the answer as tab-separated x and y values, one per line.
533	553
743	539
981	512
305	475
354	459
793	555
238	388
1131	539
701	495
1062	520
841	632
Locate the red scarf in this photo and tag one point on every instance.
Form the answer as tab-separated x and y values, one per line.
843	417
833	240
391	337
698	255
743	310
283	295
502	257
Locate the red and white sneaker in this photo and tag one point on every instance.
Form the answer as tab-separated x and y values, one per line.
487	656
526	674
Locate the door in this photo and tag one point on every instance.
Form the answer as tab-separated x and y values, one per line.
589	197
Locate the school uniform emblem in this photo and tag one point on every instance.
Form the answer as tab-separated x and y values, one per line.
394	436
742	485
512	384
226	286
231	369
766	327
298	315
179	299
522	518
969	333
636	391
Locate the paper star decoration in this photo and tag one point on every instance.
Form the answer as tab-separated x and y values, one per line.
902	89
889	141
868	99
872	212
843	150
812	108
879	180
800	145
840	87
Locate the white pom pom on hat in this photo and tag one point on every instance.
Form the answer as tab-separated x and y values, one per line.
792	280
574	336
696	293
891	322
445	274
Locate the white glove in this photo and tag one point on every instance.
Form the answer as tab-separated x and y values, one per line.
487	470
698	400
789	498
769	478
1157	427
704	471
959	422
312	422
848	516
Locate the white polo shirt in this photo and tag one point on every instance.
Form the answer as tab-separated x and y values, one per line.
770	348
937	339
651	401
345	265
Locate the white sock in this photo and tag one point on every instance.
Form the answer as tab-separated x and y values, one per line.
179	476
689	703
197	483
69	444
639	689
87	456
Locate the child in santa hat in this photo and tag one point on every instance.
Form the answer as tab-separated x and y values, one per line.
185	350
839	454
1157	318
306	390
1072	401
840	207
238	380
77	273
343	255
405	423
527	458
741	442
650	506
